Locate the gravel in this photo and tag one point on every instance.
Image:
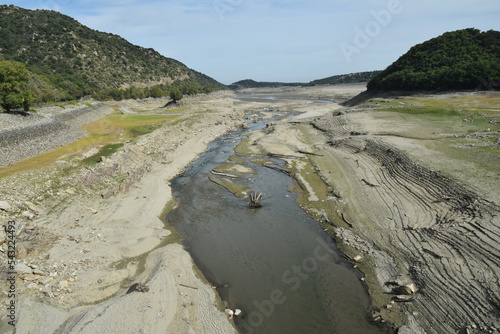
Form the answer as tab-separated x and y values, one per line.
25	136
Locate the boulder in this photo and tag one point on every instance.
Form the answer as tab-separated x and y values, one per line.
229	312
5	206
21	269
32	207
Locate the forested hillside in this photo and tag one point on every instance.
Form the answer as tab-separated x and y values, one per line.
345	78
68	60
249	83
462	59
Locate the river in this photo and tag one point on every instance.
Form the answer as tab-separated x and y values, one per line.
274	263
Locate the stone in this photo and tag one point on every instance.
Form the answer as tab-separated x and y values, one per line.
32	286
22	253
38	272
237	312
358	258
31	277
63	285
229	312
33	207
402	298
2	236
28	214
21	268
47	280
70	191
412	287
5	206
407	290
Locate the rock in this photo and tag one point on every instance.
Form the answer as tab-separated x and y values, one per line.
28	214
402	298
402	290
412	287
47	280
31	277
92	211
237	312
32	286
70	191
229	312
358	258
21	268
5	206
38	272
2	236
142	287
405	290
63	285
33	207
21	253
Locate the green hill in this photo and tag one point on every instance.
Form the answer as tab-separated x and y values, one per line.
345	78
67	60
249	83
462	59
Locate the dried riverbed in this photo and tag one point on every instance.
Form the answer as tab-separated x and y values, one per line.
274	263
426	240
409	195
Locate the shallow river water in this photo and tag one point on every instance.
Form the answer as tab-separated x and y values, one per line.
274	263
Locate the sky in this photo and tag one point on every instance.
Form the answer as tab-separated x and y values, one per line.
278	40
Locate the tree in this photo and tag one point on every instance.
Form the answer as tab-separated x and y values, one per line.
156	91
176	94
13	81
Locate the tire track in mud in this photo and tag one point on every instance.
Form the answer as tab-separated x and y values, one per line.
442	234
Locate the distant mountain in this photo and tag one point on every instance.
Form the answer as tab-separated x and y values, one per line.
68	60
249	83
345	78
462	59
333	80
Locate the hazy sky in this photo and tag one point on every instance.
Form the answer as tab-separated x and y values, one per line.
278	40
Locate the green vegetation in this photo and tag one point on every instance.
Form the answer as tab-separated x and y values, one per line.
462	59
249	83
345	78
13	81
463	127
106	151
176	94
333	80
66	60
237	190
108	132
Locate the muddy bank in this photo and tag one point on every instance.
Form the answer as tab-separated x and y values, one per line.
401	222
